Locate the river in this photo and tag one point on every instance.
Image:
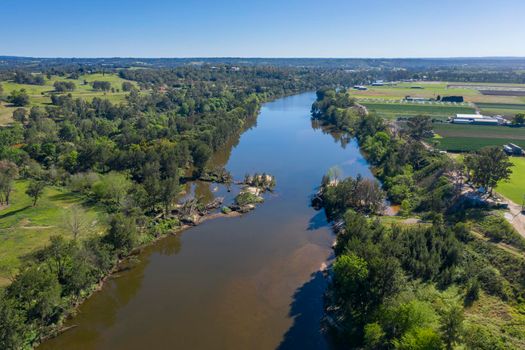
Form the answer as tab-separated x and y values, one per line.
250	282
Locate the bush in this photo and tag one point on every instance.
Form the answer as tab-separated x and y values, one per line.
245	198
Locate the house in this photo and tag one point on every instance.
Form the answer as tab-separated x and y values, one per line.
378	83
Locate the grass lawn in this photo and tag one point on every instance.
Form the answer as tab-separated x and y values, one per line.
515	188
40	94
394	110
24	228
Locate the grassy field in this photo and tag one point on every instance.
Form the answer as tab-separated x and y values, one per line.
40	94
394	110
24	228
506	109
470	92
464	138
401	90
515	188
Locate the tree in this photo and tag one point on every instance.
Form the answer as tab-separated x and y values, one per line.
35	190
488	166
127	86
122	234
201	153
419	126
37	290
63	86
519	119
75	221
451	325
101	85
12	323
169	191
20	115
19	98
8	173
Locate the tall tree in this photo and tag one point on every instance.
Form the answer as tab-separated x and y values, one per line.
35	190
488	166
419	126
8	173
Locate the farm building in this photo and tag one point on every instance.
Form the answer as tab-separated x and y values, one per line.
475	119
417	99
360	87
513	150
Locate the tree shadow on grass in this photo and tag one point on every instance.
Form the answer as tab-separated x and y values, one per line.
14	212
307	310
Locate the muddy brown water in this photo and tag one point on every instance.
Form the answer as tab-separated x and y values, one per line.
249	282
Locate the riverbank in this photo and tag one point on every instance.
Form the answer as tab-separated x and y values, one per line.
260	272
443	267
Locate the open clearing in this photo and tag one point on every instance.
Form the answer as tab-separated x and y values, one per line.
515	188
24	228
40	94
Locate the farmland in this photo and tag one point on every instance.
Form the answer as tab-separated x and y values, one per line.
436	110
464	138
490	104
40	94
24	228
514	189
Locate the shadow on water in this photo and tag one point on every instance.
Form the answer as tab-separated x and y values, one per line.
306	310
317	221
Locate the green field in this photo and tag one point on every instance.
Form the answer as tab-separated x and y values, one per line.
24	228
464	138
40	94
507	109
394	110
515	188
488	104
401	90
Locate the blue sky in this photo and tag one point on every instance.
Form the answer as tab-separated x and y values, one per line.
270	28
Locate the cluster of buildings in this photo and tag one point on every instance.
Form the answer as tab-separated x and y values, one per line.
478	119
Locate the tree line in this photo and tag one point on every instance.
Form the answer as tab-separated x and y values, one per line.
407	286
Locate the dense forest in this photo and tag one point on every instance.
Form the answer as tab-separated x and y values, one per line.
401	285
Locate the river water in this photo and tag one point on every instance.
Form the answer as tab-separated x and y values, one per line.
250	282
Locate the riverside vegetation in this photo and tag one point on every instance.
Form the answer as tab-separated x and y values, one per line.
455	280
128	159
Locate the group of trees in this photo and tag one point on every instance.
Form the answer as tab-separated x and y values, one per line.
24	77
101	85
64	86
488	166
18	98
130	159
406	287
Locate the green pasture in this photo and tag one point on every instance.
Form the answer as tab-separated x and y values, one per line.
24	228
437	110
465	138
514	189
40	94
